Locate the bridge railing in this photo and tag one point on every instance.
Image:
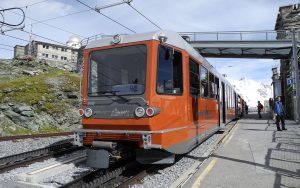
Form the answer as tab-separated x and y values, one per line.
265	35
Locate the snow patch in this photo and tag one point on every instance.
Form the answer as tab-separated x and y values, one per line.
252	91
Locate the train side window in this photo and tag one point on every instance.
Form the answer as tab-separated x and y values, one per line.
212	89
217	87
194	78
204	81
169	71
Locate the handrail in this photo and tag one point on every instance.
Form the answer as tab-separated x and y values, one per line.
263	35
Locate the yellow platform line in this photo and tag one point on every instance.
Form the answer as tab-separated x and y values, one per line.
212	163
209	167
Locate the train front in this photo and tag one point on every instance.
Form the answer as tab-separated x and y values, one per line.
115	107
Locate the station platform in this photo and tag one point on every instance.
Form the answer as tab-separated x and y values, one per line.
253	155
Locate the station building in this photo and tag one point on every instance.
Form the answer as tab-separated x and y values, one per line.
47	51
288	18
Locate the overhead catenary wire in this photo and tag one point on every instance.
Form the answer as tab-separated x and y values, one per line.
4	34
37	35
26	6
38	21
144	16
10	9
106	16
6	45
59	17
6	49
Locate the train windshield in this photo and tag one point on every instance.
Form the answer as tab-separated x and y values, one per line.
118	71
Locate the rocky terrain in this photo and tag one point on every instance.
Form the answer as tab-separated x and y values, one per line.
36	97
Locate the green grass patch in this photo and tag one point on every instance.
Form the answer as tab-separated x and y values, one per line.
17	131
50	129
32	89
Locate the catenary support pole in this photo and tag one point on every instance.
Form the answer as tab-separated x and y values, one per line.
296	70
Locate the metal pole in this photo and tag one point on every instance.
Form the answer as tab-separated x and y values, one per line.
296	70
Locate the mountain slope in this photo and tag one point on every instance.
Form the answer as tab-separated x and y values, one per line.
252	90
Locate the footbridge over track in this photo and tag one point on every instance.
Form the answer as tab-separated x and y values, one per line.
242	44
256	44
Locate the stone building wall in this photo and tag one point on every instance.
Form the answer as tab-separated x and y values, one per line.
288	17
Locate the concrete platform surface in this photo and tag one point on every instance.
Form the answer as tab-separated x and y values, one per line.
254	155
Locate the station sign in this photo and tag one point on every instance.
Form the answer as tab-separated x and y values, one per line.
289	81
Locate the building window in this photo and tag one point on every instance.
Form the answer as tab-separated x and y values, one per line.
44	46
46	55
47	47
169	73
43	54
56	57
53	56
65	58
62	58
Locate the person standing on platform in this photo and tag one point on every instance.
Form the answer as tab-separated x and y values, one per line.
279	114
259	108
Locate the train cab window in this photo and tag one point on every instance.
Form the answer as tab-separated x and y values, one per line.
169	71
204	81
212	87
194	78
118	71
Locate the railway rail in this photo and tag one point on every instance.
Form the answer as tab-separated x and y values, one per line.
124	175
22	159
43	135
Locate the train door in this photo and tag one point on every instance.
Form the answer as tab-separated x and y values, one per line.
217	84
223	102
194	95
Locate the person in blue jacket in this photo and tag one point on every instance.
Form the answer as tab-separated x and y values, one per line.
279	113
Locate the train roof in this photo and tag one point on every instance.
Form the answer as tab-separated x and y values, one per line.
173	39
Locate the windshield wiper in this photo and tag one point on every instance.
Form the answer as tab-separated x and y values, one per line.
113	92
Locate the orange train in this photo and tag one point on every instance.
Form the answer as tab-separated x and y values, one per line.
152	95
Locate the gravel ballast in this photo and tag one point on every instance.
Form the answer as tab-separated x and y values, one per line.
165	177
23	145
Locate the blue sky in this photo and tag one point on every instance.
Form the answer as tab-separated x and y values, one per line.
179	15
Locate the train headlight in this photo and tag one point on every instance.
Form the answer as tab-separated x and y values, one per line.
139	111
88	112
81	112
150	111
162	38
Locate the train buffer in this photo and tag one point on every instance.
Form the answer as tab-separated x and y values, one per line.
254	154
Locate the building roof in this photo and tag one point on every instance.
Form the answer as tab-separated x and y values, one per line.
51	44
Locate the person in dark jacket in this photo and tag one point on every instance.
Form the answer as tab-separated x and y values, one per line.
259	108
279	114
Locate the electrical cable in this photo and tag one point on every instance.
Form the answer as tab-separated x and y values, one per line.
106	16
44	37
6	49
14	37
34	4
6	45
49	25
58	17
143	15
2	19
9	9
